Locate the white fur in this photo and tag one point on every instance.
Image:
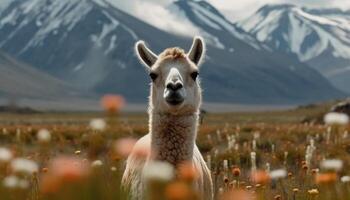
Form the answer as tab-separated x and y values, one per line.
173	129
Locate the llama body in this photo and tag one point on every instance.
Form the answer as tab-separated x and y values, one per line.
173	111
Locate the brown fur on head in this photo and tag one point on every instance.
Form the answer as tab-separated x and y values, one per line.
175	88
172	53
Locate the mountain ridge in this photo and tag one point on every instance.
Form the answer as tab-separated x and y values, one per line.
94	51
317	37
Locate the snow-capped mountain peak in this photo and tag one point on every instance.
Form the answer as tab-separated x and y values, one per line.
212	24
319	37
294	29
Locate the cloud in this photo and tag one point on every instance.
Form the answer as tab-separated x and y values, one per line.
155	12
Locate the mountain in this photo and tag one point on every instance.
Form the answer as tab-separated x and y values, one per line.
89	44
18	81
318	37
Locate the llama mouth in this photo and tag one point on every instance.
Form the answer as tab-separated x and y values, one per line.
174	99
175	102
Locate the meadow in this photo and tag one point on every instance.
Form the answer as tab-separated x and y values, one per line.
265	155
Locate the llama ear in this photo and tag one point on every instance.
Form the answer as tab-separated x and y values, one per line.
197	51
147	57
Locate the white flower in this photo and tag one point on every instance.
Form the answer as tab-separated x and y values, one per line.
5	155
253	160
113	169
334	164
157	170
23	165
44	135
345	179
334	118
96	164
10	181
277	174
225	165
98	124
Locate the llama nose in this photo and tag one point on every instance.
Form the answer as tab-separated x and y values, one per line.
174	86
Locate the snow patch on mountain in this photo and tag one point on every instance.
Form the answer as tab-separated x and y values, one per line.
327	32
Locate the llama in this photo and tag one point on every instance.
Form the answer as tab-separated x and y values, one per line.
174	102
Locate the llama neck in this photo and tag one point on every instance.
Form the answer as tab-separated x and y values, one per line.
173	137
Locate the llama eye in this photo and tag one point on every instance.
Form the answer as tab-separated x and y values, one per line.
153	76
194	75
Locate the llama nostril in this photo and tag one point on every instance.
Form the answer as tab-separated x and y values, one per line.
178	86
174	86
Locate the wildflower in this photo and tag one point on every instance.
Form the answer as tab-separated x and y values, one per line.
278	197
254	145
236	171
277	174
313	192
187	172
123	147
253	160
225	165
98	124
113	169
43	136
209	161
238	195
5	155
14	182
308	155
96	164
260	177
305	167
63	170
334	118
315	171
285	157
10	181
226	180
22	165
141	152
295	190
345	179
112	103
159	171
325	178
178	191
268	167
77	152
333	164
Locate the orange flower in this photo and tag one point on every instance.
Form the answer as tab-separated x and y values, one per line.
123	147
178	191
236	171
238	195
63	170
325	178
260	177
187	172
112	103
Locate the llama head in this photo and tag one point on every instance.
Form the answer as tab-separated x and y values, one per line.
175	87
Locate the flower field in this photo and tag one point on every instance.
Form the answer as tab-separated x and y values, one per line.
270	155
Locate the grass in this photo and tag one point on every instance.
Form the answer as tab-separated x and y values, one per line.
279	139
